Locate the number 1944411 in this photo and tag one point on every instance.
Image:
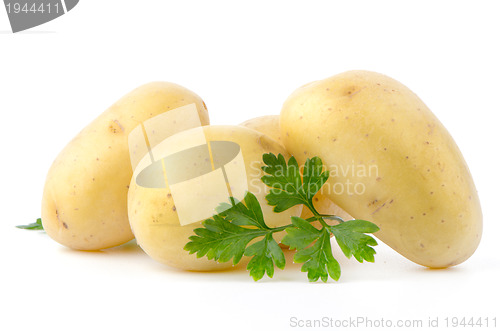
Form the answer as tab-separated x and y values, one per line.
480	322
34	8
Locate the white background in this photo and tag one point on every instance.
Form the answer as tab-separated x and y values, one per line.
244	59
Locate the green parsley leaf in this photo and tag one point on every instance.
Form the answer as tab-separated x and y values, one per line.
353	241
226	236
266	253
301	235
238	213
313	177
32	226
221	240
318	258
287	187
284	180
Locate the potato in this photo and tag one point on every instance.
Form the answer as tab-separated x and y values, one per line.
159	202
269	125
391	162
85	196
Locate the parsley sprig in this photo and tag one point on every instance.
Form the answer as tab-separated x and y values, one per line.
32	226
239	229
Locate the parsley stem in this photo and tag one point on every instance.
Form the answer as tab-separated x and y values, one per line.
313	210
323	223
333	217
310	205
280	228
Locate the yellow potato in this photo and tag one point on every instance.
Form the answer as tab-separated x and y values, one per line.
157	209
269	125
85	196
391	162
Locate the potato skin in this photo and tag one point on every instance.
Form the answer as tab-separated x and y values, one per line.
270	125
420	192
84	204
154	216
